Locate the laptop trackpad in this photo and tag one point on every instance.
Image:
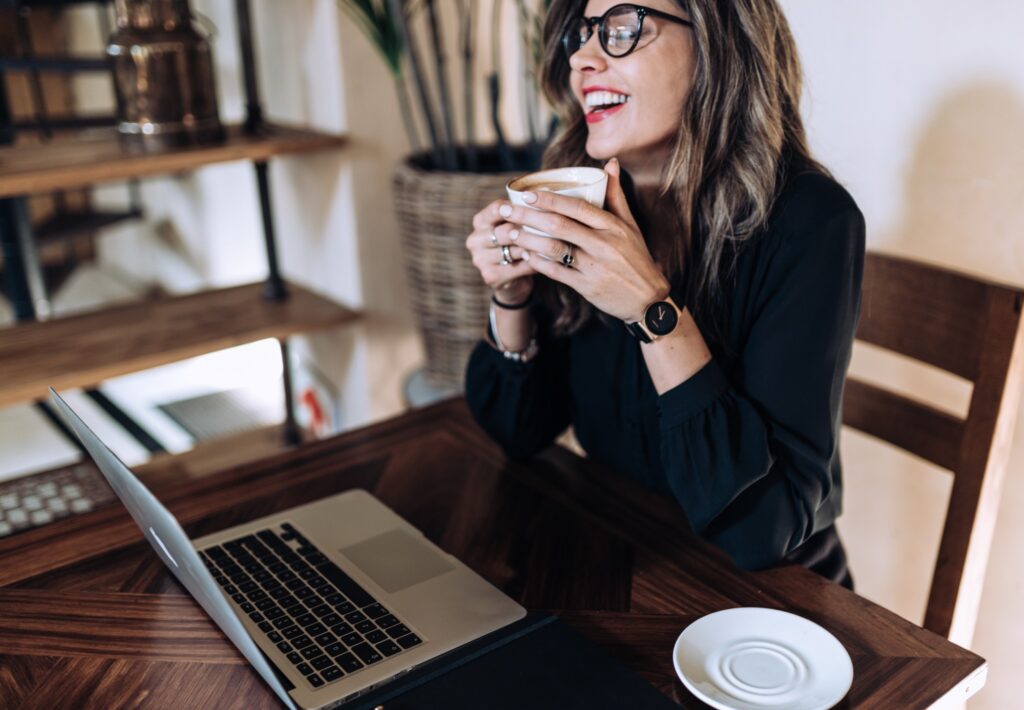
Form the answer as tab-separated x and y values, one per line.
397	559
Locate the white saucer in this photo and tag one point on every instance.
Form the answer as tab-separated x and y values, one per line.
751	659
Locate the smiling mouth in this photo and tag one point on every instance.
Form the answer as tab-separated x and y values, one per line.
598	102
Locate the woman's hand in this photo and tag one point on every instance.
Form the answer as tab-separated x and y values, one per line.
512	282
612	267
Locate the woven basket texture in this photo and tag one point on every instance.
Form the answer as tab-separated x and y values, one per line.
435	215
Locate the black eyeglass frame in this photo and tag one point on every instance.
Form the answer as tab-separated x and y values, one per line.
641	13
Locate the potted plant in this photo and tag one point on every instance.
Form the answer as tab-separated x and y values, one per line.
449	175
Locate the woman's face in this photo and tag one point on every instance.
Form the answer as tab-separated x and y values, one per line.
656	79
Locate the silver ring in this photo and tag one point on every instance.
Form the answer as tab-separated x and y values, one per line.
568	259
506	255
494	238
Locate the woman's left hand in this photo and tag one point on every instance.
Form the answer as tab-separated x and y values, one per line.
612	267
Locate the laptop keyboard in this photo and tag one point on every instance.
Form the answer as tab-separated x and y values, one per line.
318	617
51	495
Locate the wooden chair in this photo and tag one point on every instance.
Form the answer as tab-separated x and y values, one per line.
973	329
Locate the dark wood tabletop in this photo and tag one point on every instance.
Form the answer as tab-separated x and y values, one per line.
90	618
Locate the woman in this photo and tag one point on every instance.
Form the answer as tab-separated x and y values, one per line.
696	332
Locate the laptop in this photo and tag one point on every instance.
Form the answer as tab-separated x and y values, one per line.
326	600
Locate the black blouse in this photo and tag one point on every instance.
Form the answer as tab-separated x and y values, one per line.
748	446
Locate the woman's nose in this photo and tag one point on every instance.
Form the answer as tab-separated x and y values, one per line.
590	57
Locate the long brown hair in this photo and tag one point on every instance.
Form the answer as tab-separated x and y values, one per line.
740	131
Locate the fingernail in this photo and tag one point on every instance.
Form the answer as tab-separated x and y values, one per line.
505	211
526	256
529	197
514	234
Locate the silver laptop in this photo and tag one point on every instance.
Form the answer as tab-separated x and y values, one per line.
327	600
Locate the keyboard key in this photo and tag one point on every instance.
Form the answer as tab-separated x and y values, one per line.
247	587
386	621
291	632
311	652
396	631
278	568
303	592
256	616
286	576
332	673
294	609
216	552
389	648
375	611
282	622
273	613
409	641
274	636
344	607
348	586
351	639
322	662
266	627
323	610
355	617
325	639
305	619
312	601
336	649
39	517
341	629
376	636
349	662
238	598
295	658
317	582
256	595
335	598
285	647
315	680
305	669
316	629
365	627
295	584
330	619
301	641
367	653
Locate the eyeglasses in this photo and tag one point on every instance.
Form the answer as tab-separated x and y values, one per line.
618	29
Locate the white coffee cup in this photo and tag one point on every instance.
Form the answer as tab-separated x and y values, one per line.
589	184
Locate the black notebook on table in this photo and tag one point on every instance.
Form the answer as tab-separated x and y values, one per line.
535	663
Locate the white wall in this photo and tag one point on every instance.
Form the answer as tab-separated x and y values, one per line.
918	108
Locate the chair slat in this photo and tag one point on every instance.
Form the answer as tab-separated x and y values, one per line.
923	312
916	427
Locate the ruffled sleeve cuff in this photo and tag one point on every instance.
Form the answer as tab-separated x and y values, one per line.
693	396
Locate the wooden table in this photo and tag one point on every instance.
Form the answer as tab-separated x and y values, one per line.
89	617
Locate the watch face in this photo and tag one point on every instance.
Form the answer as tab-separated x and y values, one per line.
661	318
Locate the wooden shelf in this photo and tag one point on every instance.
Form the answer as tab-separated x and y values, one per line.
100	156
82	351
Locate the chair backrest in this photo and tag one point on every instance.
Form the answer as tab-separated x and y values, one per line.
973	329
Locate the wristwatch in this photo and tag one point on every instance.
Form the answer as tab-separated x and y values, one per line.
660	319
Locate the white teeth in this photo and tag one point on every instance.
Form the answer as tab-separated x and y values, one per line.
604	98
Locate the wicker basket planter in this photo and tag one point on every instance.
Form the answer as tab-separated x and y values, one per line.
435	215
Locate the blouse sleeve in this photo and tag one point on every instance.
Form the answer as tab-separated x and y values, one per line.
523	406
753	454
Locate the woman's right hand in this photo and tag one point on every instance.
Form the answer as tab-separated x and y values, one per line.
513	282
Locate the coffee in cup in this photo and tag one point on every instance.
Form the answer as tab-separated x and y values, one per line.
587	184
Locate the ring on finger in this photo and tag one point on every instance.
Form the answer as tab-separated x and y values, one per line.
494	238
568	259
506	255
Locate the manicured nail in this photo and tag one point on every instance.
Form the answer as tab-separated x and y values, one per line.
529	197
514	234
526	256
505	211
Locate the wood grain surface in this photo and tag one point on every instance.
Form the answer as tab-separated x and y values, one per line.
83	350
89	618
100	156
